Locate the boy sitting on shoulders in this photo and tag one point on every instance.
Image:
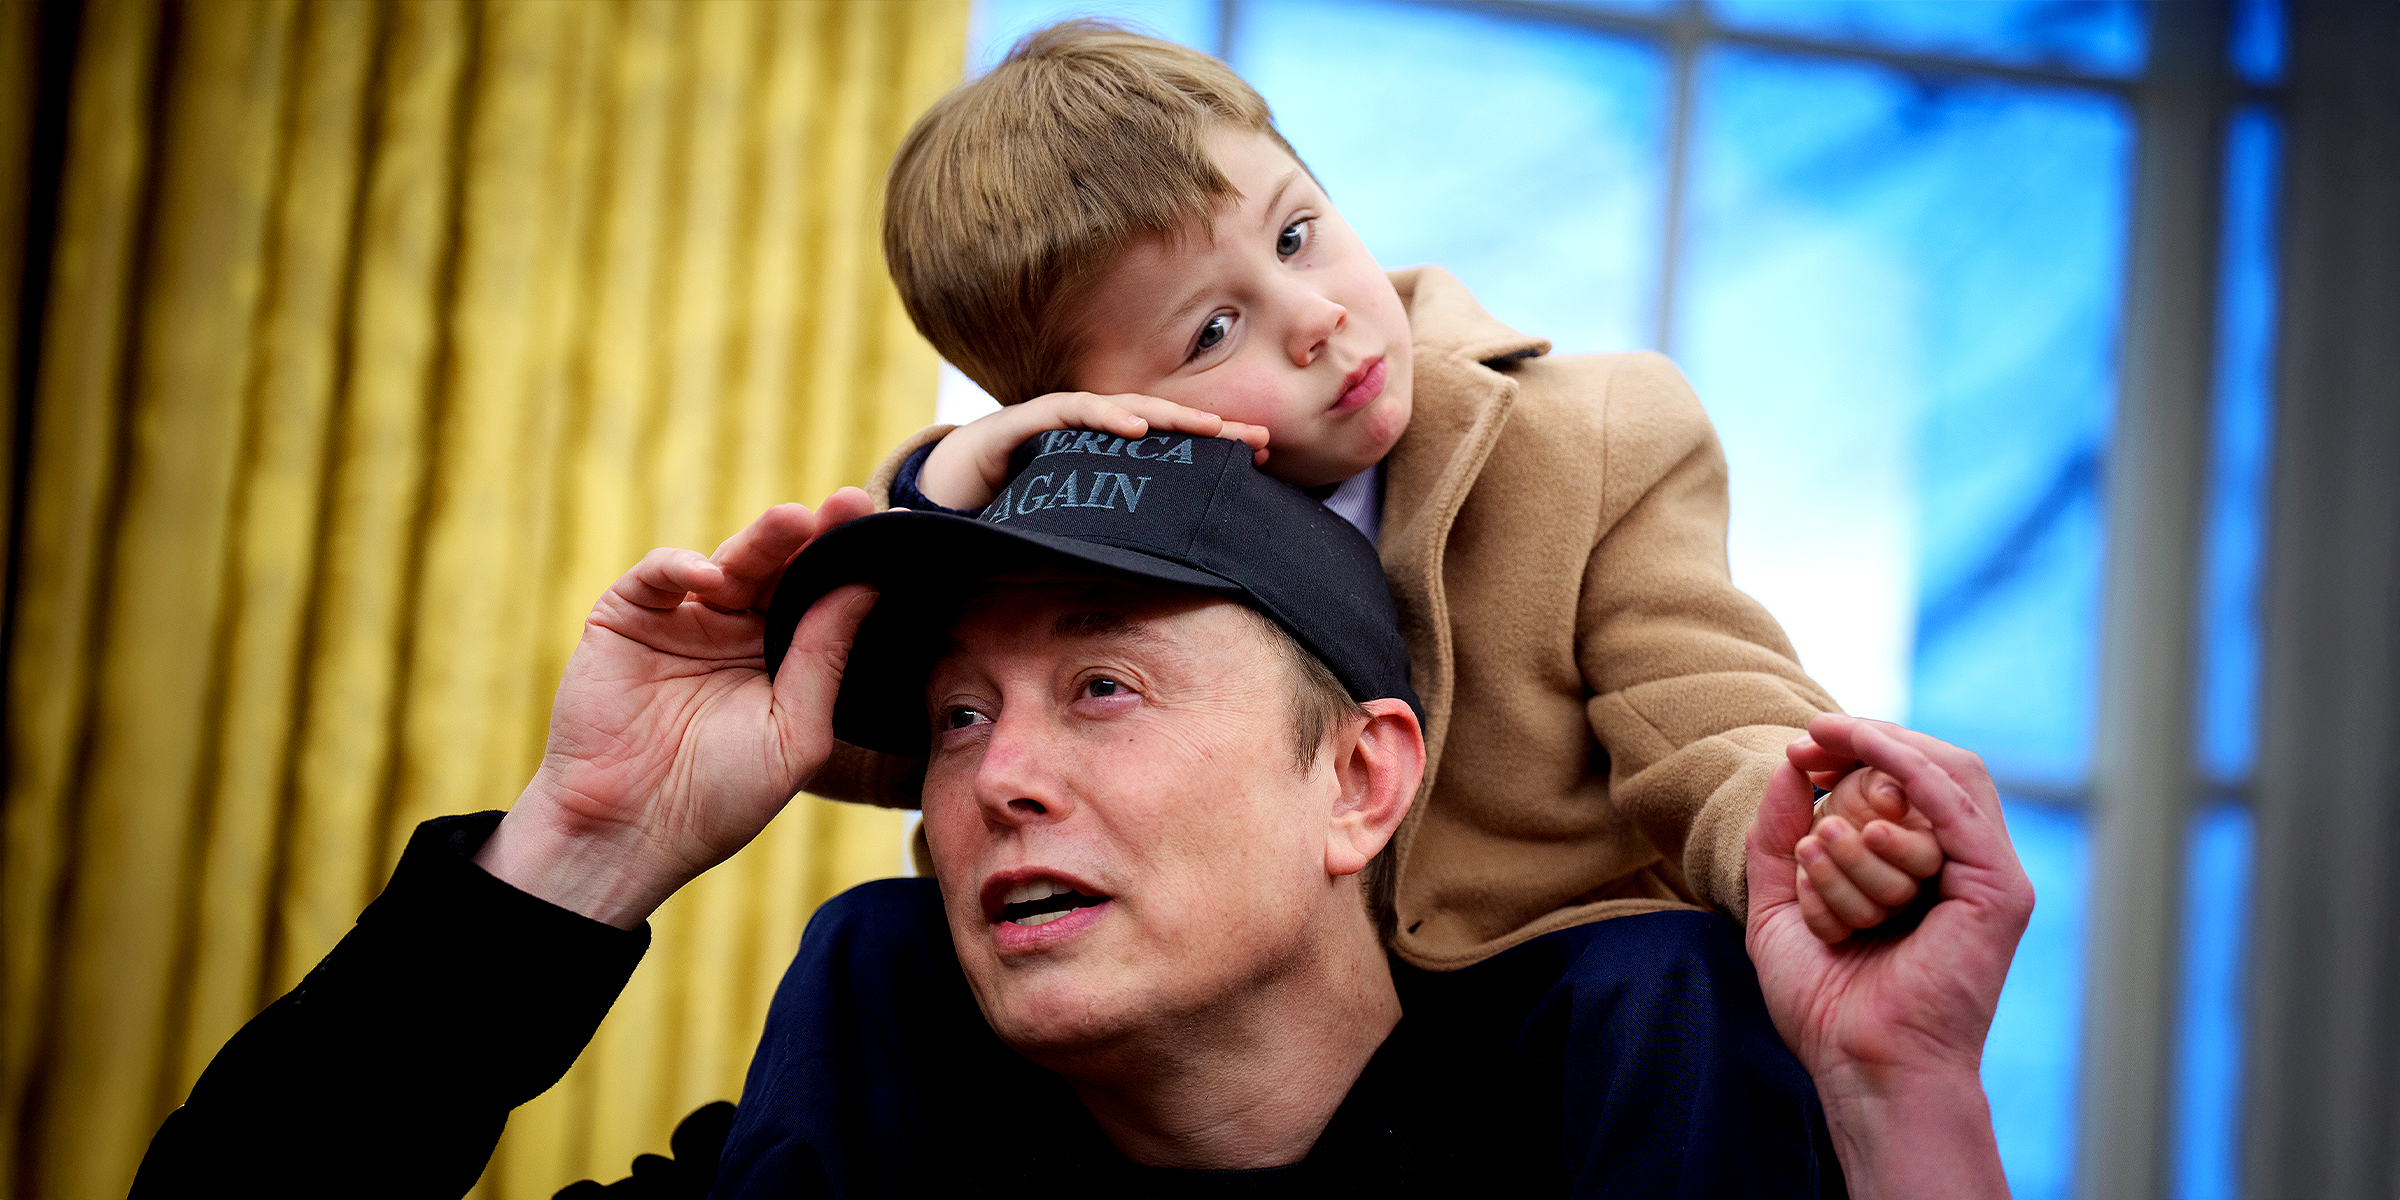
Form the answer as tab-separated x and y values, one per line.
1107	233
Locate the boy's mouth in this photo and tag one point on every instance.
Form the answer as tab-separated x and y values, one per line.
1361	386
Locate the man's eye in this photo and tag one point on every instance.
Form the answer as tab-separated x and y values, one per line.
1293	237
1216	330
962	717
1104	687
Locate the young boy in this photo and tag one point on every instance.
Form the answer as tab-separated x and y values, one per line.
1107	233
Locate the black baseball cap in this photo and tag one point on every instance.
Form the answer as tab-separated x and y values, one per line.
1174	509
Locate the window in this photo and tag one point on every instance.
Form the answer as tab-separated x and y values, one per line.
1887	241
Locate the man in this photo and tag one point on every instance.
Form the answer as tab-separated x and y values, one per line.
1149	864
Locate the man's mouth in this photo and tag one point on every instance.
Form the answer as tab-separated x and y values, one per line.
1041	901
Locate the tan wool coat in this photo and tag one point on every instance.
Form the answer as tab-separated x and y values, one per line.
1602	706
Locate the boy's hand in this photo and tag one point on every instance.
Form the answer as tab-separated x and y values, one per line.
967	468
1867	850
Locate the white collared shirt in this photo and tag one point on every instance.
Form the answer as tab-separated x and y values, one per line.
1359	500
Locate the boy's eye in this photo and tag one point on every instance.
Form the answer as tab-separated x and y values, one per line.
1215	331
1293	237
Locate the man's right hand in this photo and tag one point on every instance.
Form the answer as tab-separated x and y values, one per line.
669	747
967	467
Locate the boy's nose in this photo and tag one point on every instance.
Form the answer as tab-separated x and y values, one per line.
1317	321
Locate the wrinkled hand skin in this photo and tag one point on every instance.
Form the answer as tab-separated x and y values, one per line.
669	747
1892	1029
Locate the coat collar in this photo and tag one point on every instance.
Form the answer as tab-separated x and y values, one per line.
1443	318
1463	391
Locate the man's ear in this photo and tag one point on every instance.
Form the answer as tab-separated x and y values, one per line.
1377	764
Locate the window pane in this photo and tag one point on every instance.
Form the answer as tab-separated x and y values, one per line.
2107	37
2216	913
1639	8
993	26
2258	30
1523	157
2236	532
1900	304
2029	1060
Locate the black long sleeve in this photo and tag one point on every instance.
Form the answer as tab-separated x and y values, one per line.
393	1066
906	494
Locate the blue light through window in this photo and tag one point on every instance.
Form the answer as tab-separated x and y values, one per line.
1900	305
2258	37
1527	160
2216	910
2108	37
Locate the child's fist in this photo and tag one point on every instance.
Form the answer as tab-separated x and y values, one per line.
967	468
1864	857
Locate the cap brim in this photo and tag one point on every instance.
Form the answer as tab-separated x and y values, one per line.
920	561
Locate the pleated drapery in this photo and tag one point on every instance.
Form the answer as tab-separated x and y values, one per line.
361	345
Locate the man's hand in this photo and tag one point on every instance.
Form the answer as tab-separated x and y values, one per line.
1869	849
669	748
1892	1029
967	468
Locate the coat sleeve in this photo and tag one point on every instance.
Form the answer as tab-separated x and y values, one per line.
1695	690
879	484
393	1066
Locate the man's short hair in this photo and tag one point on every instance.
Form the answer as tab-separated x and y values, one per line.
1017	189
1318	701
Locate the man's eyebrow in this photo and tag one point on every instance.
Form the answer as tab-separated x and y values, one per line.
1103	623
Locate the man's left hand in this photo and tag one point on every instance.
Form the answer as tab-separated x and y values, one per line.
1892	1028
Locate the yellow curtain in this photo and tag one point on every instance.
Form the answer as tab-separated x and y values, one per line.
376	338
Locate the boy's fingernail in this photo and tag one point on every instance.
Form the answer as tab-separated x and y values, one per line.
1831	831
1810	852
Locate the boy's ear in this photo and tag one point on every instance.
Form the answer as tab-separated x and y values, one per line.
1377	764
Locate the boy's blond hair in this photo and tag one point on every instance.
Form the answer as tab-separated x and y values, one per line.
1015	190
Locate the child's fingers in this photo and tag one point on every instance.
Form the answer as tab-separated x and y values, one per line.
1915	851
1255	436
1878	880
1103	413
1813	913
1849	906
1166	415
1883	794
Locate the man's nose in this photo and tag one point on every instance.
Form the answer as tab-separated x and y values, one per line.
1315	319
1017	780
